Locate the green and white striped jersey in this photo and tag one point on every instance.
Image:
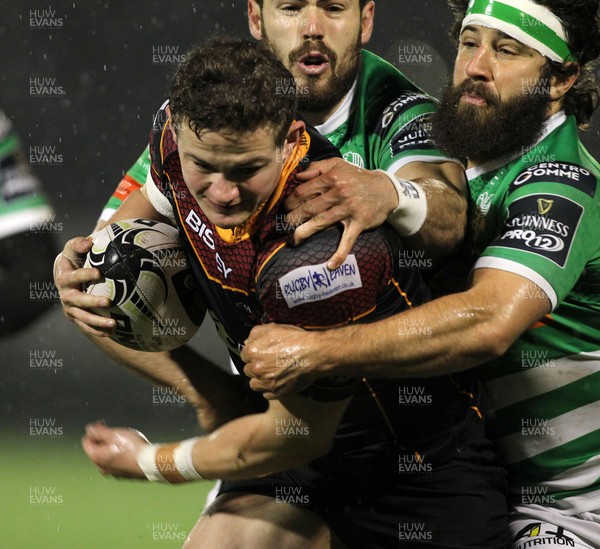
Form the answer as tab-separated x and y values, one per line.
537	214
383	123
23	205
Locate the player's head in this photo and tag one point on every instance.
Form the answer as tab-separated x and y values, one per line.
232	115
319	43
518	63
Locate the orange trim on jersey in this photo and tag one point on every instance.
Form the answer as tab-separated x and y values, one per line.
477	411
126	186
272	254
466	393
541	323
386	418
402	293
231	236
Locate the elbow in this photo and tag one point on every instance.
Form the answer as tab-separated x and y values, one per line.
493	340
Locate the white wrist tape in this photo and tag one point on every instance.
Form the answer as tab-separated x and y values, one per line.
411	212
169	462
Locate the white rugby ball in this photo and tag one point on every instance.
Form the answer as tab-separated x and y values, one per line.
154	297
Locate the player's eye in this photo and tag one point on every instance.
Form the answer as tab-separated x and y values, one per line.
290	9
241	174
203	168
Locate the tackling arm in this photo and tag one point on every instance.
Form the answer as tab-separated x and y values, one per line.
459	331
336	191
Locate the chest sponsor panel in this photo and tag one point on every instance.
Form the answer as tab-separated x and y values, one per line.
542	224
317	282
557	172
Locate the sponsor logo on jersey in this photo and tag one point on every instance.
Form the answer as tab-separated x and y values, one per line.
397	107
354	158
542	224
535	534
413	136
557	172
317	282
484	203
195	223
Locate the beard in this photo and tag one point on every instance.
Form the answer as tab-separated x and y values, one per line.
314	93
481	134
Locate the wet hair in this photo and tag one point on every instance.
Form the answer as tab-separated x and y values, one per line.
233	86
582	25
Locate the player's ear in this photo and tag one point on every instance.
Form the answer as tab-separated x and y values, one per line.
367	17
293	136
254	19
172	129
560	85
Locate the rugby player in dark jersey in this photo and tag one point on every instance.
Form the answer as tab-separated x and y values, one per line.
359	463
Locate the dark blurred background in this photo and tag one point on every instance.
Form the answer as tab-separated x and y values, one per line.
103	65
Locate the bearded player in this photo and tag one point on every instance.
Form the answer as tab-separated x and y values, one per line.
522	85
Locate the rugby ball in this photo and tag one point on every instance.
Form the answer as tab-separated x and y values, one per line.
154	297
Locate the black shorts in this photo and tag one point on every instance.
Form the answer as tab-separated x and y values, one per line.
457	502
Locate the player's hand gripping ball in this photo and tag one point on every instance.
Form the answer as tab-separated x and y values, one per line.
154	298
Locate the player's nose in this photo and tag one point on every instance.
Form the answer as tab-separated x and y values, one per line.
222	190
312	23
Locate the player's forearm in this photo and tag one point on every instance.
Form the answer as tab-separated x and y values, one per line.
255	445
449	334
216	396
444	227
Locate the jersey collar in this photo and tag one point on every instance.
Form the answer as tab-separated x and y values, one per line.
550	125
341	114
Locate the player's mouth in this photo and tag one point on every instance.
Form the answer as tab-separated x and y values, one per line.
471	98
223	209
313	64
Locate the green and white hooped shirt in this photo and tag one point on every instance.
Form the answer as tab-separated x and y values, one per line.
538	215
23	205
383	123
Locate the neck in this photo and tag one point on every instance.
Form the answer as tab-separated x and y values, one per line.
316	118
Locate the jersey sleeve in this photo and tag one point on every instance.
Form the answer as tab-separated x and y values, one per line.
133	180
550	227
295	287
403	134
23	204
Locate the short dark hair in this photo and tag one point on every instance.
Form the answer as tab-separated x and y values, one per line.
233	85
582	25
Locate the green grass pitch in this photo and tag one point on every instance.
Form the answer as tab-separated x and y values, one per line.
52	496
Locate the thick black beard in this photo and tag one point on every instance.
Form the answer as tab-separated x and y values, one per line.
313	97
484	134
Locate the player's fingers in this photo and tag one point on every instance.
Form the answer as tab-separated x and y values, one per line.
73	297
69	278
316	224
92	330
320	167
314	207
305	192
310	173
349	237
76	248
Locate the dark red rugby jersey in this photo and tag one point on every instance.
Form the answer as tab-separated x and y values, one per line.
251	275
